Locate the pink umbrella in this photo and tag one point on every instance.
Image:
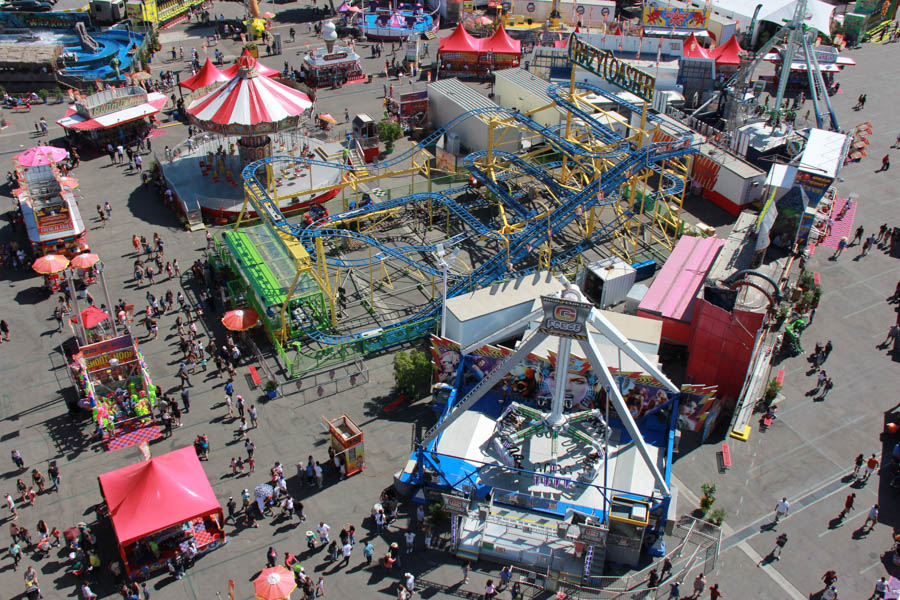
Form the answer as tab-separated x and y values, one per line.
41	155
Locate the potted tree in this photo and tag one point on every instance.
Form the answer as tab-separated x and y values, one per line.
389	132
271	388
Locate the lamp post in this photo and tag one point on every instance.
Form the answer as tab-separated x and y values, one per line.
70	281
445	267
112	313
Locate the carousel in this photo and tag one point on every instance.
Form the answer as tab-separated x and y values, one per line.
247	118
206	79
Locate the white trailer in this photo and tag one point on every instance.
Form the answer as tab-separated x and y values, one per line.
451	98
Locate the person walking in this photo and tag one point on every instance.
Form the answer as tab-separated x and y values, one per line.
699	585
465	572
857	237
885	163
254	417
409	540
870	243
871	465
666	569
821	380
346	551
842	244
715	593
880	589
848	506
674	590
872	518
271	557
780	543
17	459
782	508
857	464
368	552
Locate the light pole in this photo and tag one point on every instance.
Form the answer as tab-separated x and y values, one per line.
445	267
69	273
112	313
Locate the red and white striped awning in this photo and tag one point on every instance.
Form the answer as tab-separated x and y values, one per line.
249	103
155	103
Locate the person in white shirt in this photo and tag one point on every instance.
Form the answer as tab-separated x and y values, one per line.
781	509
323	530
410	539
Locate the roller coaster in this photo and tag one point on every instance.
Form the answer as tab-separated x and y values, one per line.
512	212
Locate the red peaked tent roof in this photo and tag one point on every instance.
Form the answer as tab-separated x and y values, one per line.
207	75
501	43
152	495
693	49
458	41
245	59
727	53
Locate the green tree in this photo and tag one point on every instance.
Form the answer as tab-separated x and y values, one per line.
389	132
412	371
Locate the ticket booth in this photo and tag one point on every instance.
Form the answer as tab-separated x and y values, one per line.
347	443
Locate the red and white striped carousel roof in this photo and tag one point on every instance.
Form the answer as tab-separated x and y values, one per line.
249	99
242	60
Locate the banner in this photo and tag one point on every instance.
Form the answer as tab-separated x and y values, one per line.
693	19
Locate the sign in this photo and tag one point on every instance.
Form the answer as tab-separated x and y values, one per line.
592	536
565	318
456	505
335	56
114	102
675	18
63	225
413	103
530	7
814	184
97	356
604	64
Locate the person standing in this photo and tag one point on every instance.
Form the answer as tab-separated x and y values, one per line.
368	552
857	237
674	590
323	530
17	459
254	417
271	557
409	540
782	508
53	472
346	551
465	572
880	589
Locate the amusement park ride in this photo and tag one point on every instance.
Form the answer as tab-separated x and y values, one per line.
519	213
735	100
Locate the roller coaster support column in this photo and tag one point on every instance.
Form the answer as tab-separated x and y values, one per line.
325	279
565	160
490	149
243	208
284	306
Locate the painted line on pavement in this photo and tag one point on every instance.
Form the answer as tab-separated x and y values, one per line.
862	310
844	522
808	442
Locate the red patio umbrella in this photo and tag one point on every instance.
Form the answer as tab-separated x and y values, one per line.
85	261
50	263
91	317
276	583
240	319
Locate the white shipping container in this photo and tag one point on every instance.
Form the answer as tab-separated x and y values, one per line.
607	282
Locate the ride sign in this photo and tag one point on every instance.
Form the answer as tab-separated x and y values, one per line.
604	64
565	318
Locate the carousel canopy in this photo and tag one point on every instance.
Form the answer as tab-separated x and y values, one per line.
693	49
728	53
152	495
265	71
461	41
248	100
206	76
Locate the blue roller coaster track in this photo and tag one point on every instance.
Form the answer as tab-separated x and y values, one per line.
602	191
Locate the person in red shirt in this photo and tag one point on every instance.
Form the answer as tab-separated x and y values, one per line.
715	593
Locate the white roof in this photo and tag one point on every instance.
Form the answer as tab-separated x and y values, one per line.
824	152
779	11
781	176
503	295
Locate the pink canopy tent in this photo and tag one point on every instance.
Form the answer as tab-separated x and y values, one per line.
206	76
693	49
263	69
728	53
249	103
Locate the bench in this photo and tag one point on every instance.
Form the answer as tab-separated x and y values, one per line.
22	108
724	456
779	378
254	377
816	278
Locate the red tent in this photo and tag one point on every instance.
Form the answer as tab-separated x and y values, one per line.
693	49
156	494
206	76
242	60
458	41
501	43
727	53
92	316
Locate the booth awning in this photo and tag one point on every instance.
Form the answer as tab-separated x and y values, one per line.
693	49
206	76
155	103
728	53
152	495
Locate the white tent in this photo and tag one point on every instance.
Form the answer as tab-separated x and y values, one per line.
818	13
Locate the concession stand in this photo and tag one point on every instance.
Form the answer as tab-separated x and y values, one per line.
347	443
49	211
114	116
466	57
162	507
324	69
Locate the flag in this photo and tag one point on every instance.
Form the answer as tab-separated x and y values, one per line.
640	47
658	52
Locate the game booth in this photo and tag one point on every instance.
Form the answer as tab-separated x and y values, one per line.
347	443
162	507
466	57
113	382
113	116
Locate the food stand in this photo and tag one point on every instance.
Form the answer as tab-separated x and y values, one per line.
347	443
49	212
324	69
466	57
113	382
162	507
115	115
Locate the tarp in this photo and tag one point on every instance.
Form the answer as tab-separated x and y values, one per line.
206	76
727	53
693	49
242	59
501	43
458	41
155	103
152	495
